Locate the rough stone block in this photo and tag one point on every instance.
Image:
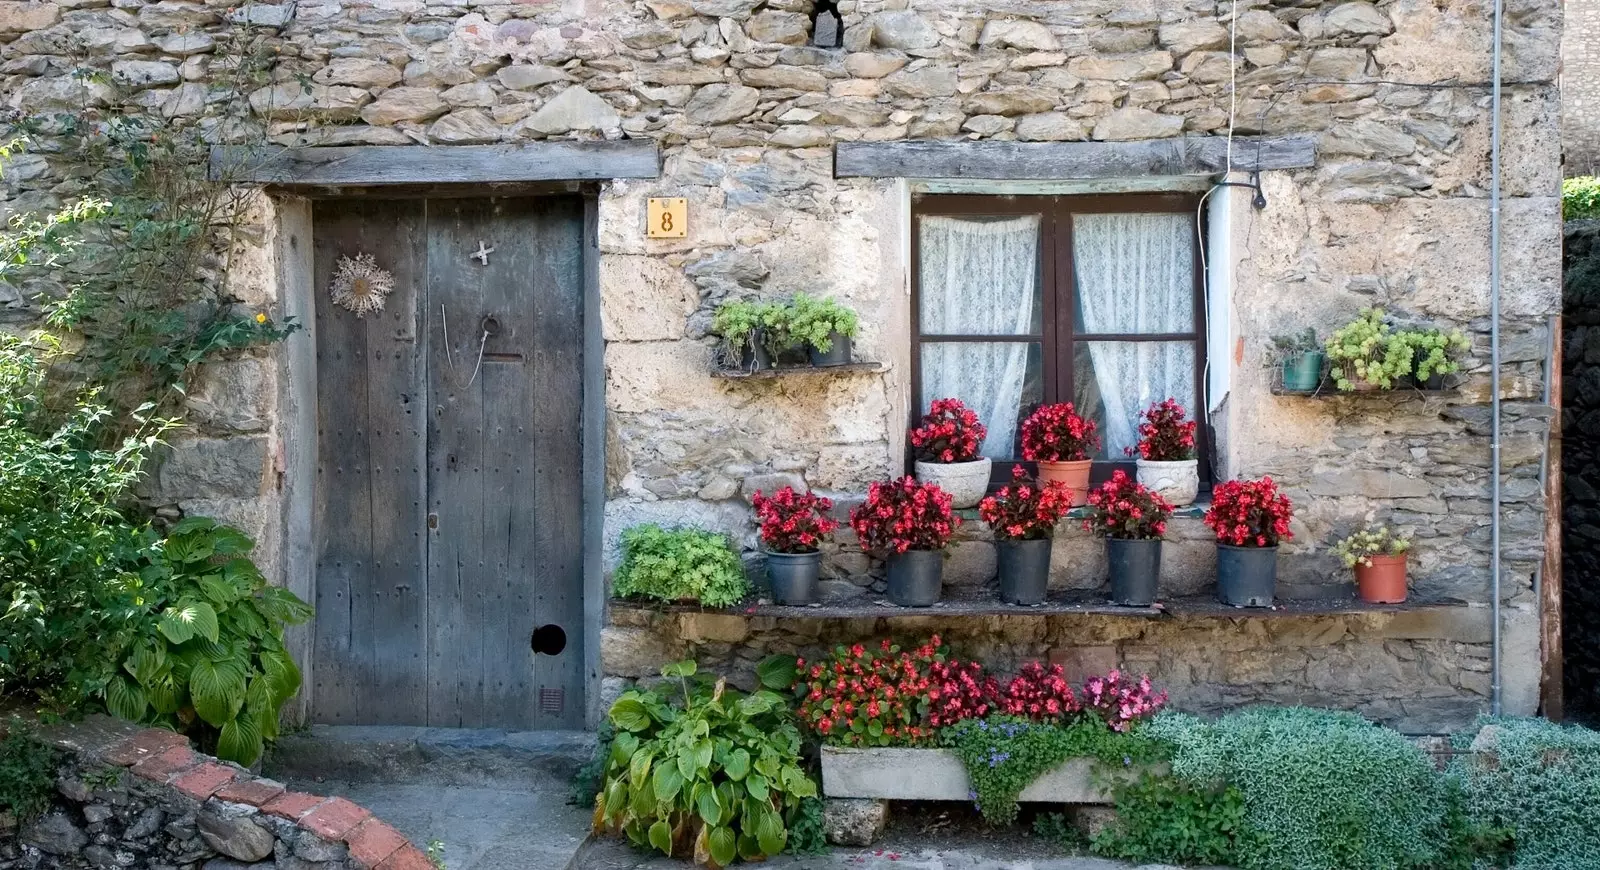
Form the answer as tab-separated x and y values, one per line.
1079	663
644	299
251	792
970	563
713	627
22	17
235	395
213	468
632	652
850	822
938	775
236	836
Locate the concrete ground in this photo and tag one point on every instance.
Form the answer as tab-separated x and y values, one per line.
610	854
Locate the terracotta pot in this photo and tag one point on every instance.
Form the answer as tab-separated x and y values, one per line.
1384	581
1074	474
967	482
1178	481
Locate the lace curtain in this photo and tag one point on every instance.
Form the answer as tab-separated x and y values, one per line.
1135	275
980	277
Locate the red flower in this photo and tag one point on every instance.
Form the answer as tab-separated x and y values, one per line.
902	515
1165	436
1249	513
1039	692
792	522
1055	433
949	432
1125	509
1025	512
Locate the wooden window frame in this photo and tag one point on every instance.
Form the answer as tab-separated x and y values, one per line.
1058	337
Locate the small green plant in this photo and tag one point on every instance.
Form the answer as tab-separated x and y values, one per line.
736	321
1580	197
27	772
680	565
1434	351
1365	350
1540	782
102	778
1369	541
699	770
435	854
586	783
814	321
778	328
212	661
1294	344
1053	828
1167	820
806	833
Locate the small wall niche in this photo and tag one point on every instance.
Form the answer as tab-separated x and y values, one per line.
827	26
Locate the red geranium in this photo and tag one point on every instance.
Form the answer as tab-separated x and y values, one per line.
949	432
1121	703
1040	692
793	522
1025	510
1125	509
901	515
1249	513
1056	433
870	696
1165	435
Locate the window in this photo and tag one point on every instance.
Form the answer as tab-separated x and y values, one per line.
1094	300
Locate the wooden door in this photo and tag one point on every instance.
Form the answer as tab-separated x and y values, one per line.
449	504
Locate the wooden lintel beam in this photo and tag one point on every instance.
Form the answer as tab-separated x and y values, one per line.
1190	155
378	165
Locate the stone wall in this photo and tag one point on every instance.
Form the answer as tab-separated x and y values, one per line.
1580	89
1580	468
1394	213
140	797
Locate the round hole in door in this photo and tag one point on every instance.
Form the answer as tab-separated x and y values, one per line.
549	639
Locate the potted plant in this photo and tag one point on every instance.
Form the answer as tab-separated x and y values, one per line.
1132	518
910	523
1302	358
1249	518
946	445
738	323
1062	442
792	528
679	566
1378	555
1434	354
1166	462
778	333
1366	355
825	327
1023	516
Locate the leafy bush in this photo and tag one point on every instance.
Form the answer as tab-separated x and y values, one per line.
1322	790
591	776
679	565
814	321
1580	197
1540	781
807	836
712	774
27	772
736	322
1365	350
211	662
1168	820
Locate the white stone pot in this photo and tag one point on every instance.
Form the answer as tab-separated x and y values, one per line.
1177	482
967	482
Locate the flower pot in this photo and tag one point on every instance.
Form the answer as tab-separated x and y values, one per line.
753	356
1246	576
1135	570
1178	481
793	577
967	482
915	577
793	357
838	355
1024	570
1074	474
1303	371
1384	581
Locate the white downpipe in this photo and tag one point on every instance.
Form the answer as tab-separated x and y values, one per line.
1494	360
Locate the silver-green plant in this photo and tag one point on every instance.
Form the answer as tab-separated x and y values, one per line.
815	321
1368	541
1366	350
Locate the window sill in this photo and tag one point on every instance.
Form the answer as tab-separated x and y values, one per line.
1187	512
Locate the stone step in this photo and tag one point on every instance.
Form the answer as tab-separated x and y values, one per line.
453	756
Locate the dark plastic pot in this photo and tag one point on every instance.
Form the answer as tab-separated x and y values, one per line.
1135	570
1303	371
915	577
753	356
793	577
1246	576
1024	570
838	355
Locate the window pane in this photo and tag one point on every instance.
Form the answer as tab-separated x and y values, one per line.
1002	381
980	276
1117	380
1135	273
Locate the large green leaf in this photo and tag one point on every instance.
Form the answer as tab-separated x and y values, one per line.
661	837
756	784
284	606
188	549
188	620
639	768
163	695
738	764
702	755
218	590
147	662
666	782
630	714
777	672
125	700
770	833
679	669
240	741
706	803
281	670
229	541
622	748
616	798
189	525
217	690
723	845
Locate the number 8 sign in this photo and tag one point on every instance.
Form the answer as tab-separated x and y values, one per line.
667	218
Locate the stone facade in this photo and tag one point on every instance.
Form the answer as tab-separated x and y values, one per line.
1394	212
1580	89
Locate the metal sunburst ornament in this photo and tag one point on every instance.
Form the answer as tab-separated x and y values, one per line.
359	285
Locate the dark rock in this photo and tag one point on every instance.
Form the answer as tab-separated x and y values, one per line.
56	834
237	837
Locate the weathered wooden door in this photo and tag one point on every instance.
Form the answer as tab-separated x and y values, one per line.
449	507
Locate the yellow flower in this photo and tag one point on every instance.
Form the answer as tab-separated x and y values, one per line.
261	318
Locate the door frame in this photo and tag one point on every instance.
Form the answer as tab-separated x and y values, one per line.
297	419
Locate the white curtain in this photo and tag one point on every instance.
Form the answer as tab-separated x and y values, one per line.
979	277
1136	275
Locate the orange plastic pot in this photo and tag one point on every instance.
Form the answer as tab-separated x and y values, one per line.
1075	475
1382	582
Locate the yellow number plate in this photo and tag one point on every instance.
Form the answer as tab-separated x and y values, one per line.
669	218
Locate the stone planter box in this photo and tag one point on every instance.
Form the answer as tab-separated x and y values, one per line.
938	775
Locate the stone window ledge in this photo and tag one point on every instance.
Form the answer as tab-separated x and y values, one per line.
1188	512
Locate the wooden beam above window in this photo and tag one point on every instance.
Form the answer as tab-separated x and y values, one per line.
1044	161
377	165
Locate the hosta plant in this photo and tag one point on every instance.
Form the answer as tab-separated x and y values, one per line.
1369	541
701	771
212	663
679	565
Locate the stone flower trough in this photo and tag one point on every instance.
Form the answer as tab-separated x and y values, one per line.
895	773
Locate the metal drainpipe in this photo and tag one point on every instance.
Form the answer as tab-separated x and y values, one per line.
1494	360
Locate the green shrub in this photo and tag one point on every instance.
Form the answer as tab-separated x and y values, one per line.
210	659
1580	197
1540	781
1322	790
1169	820
27	772
807	835
591	776
702	771
680	565
814	321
